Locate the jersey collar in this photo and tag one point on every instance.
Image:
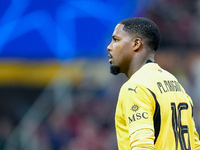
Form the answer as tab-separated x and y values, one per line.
149	61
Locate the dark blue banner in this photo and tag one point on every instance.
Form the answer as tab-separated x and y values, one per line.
61	29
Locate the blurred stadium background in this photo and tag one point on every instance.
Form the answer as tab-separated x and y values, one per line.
56	92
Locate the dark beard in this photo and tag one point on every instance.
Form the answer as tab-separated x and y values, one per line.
114	69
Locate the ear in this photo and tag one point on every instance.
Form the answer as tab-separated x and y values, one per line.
137	43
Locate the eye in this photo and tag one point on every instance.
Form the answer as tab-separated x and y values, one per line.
114	39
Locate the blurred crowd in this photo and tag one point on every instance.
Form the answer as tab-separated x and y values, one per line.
178	21
89	122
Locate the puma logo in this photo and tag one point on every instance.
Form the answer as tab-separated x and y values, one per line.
130	89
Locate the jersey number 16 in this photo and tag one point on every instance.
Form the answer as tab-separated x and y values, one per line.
179	129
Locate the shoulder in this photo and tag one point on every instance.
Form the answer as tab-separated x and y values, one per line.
128	85
136	88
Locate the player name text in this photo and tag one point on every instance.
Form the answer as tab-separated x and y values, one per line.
169	86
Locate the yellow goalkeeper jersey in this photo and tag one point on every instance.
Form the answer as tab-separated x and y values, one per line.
154	112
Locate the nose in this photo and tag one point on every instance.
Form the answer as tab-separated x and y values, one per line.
109	47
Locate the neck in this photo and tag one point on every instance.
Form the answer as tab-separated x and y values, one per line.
137	63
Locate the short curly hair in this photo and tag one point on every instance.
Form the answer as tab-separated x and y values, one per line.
145	28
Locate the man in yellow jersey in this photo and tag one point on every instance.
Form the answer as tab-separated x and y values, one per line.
153	109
